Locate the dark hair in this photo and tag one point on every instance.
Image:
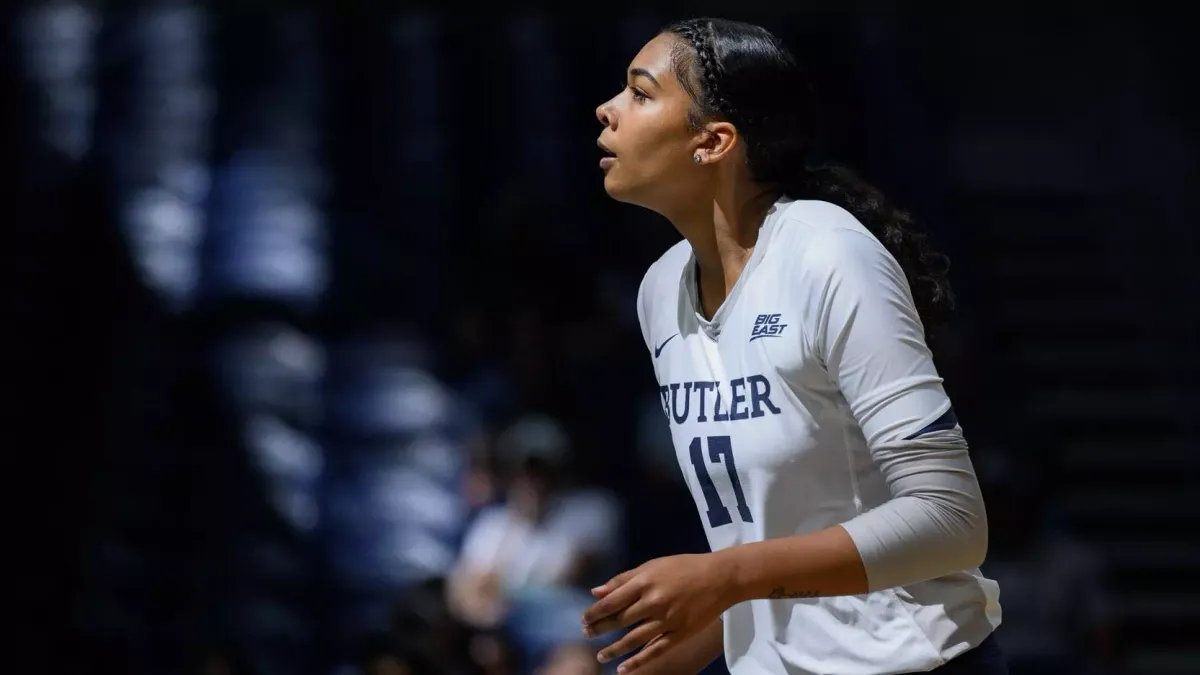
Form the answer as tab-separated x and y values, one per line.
741	73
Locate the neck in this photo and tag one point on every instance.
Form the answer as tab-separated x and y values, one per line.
723	231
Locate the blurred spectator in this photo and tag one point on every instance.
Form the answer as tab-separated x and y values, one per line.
546	537
216	208
545	534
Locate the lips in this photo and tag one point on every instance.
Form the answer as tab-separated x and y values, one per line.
609	158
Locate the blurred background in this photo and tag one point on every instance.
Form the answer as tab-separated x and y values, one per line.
326	358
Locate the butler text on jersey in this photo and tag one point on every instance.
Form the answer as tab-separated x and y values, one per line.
702	401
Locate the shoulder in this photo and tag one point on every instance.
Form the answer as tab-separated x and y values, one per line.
485	534
660	285
825	234
490	520
825	241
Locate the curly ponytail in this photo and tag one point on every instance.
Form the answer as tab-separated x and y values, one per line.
743	74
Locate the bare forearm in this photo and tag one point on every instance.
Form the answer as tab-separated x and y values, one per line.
825	563
690	656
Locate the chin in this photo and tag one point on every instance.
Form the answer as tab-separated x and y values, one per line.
612	187
618	191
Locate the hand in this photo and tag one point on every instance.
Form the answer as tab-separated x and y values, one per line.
477	598
669	600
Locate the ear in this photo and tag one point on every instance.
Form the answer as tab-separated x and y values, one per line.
718	139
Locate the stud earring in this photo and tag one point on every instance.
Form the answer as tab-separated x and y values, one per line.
696	158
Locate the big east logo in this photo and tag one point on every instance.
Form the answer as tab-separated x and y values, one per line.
767	325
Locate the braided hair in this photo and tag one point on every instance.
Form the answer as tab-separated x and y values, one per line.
742	74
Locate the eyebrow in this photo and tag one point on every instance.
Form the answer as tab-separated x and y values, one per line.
642	72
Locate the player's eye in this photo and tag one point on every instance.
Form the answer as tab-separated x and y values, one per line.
637	94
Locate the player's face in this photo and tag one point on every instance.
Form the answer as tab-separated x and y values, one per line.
646	141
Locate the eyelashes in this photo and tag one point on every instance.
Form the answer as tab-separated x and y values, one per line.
638	94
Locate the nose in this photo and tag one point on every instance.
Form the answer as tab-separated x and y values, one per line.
604	113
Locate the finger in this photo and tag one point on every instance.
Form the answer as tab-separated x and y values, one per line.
632	640
638	611
619	599
657	647
614	583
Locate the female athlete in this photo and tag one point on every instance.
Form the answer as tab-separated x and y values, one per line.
787	334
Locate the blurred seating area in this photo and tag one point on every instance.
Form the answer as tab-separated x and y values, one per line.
329	329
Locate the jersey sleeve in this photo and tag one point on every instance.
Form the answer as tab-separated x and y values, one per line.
862	324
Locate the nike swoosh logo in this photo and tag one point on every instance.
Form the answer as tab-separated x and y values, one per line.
658	349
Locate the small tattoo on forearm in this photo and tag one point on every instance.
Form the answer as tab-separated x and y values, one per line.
782	593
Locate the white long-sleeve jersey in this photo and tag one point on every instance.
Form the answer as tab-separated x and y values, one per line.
811	400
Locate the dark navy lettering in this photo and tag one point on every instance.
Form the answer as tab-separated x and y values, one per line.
737	407
681	417
717	514
766	325
740	399
720	451
702	388
760	396
720	414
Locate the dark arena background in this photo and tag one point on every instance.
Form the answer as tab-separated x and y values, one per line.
296	292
